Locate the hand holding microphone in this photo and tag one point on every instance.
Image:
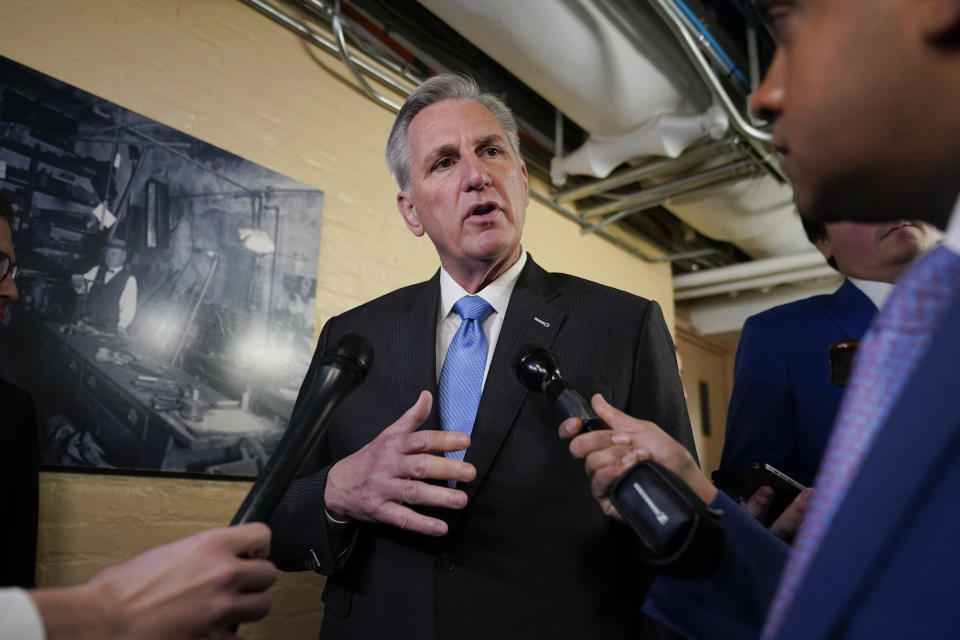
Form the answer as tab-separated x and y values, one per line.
341	370
637	472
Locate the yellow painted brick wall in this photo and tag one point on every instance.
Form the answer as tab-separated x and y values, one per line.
222	72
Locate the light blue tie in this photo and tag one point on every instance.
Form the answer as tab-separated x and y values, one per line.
461	378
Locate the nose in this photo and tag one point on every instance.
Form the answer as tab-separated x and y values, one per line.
766	103
475	174
8	289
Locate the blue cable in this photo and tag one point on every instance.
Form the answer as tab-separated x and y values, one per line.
713	43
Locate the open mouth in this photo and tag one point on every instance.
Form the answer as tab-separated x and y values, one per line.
483	209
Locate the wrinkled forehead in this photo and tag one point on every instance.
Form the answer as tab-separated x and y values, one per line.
448	121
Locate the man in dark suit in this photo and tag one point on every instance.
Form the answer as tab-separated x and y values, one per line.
19	457
784	403
863	94
500	544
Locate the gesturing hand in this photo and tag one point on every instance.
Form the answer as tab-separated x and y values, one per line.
375	483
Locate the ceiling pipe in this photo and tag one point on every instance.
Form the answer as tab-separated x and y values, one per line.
665	135
337	25
327	45
692	158
745	270
661	192
693	192
810	273
758	139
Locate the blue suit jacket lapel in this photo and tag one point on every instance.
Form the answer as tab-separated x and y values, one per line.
903	461
850	309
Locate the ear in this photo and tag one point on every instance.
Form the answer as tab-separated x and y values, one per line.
526	182
823	245
409	213
939	20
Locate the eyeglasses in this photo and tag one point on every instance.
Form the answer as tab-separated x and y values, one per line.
8	267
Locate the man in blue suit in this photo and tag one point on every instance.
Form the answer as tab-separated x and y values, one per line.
864	97
784	402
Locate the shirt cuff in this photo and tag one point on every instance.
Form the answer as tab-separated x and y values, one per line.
19	617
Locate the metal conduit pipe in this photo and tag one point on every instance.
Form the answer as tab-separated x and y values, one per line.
319	9
570	215
757	138
330	47
661	192
695	192
823	271
745	270
348	59
692	158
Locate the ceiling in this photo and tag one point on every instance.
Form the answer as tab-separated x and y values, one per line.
633	111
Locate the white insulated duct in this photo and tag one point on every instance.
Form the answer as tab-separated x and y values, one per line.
666	135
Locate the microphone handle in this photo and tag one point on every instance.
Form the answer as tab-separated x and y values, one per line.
333	384
573	405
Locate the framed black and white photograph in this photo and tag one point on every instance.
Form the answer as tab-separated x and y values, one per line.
167	286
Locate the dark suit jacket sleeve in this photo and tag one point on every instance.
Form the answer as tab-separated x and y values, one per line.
19	487
299	521
762	421
731	603
656	393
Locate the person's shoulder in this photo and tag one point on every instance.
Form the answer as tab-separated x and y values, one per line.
584	290
388	302
791	313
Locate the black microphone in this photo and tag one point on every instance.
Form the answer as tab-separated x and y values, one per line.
679	534
341	370
538	369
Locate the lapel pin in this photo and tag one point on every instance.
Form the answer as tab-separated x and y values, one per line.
543	322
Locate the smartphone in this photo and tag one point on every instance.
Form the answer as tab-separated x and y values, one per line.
745	481
841	361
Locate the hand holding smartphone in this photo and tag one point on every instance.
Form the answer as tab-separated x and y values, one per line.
745	481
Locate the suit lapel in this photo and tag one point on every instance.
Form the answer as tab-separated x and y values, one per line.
415	339
883	496
532	317
851	310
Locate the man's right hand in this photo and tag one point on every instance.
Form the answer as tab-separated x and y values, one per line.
375	483
202	586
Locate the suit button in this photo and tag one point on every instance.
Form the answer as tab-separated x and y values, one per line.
446	562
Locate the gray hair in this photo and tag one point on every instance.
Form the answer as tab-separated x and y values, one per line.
445	86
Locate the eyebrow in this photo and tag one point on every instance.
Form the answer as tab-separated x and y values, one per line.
452	149
488	140
762	7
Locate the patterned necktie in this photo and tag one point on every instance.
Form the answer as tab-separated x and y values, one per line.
461	378
888	355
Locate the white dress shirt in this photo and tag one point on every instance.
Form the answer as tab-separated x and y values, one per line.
128	298
878	292
19	618
497	294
